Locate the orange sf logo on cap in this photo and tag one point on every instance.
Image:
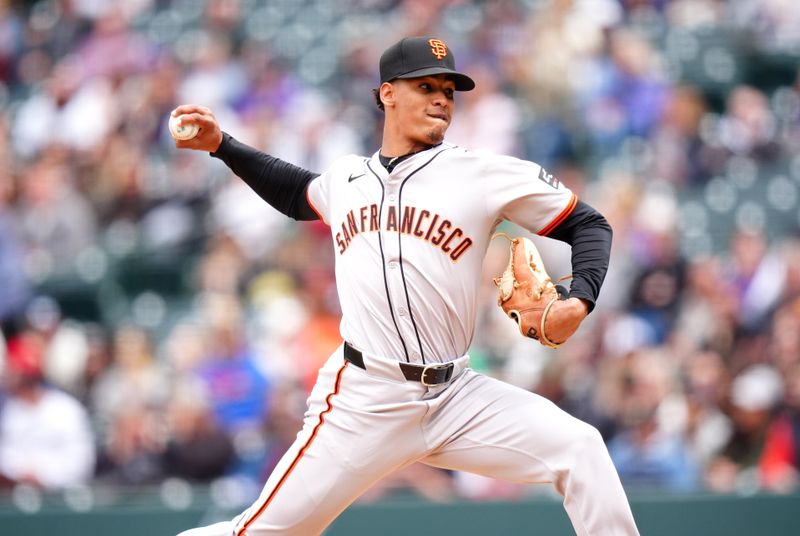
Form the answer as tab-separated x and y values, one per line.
438	48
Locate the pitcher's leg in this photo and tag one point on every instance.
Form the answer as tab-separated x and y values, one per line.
319	476
345	446
498	430
286	505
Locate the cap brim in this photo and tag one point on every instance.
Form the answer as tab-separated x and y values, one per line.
462	81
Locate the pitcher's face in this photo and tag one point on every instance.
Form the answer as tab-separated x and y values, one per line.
423	107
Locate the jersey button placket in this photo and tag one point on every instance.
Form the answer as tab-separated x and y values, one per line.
394	273
391	189
394	279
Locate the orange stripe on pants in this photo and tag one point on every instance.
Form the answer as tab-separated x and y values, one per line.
300	454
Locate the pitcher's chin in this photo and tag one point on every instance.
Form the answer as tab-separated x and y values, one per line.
436	135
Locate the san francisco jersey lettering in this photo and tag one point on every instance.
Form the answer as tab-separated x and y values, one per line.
414	222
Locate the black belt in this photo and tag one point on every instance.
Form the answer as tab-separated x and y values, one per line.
433	374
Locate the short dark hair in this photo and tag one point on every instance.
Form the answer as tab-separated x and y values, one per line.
376	92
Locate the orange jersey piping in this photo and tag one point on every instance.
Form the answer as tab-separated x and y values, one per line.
561	217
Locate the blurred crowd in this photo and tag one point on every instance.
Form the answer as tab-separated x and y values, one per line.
160	321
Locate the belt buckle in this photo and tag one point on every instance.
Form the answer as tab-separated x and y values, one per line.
436	366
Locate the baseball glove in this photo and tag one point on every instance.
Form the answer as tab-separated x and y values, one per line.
526	292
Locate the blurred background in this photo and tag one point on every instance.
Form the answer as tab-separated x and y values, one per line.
162	326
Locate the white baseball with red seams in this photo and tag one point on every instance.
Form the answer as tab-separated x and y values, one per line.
182	132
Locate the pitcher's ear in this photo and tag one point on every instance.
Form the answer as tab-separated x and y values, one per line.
387	94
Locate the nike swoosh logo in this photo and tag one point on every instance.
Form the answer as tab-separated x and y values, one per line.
352	178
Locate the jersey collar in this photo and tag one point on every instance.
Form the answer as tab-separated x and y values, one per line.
390	164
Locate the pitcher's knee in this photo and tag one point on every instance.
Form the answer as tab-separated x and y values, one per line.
581	457
587	440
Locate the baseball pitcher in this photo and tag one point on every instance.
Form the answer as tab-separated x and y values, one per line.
410	226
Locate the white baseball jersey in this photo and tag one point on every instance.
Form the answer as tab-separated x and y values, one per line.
410	244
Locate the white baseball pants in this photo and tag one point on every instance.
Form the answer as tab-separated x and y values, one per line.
363	424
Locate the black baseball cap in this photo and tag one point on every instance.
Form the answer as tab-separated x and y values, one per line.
413	57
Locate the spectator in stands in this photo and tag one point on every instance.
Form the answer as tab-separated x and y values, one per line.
628	94
754	396
749	126
657	286
56	222
128	400
45	434
16	288
757	276
134	380
683	158
646	452
238	391
133	446
198	449
708	310
706	427
784	335
779	465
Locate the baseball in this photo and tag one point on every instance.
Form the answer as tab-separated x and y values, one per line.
182	132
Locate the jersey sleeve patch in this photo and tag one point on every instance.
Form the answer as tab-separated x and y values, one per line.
548	178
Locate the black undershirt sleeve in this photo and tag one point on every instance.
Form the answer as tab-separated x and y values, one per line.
281	184
589	234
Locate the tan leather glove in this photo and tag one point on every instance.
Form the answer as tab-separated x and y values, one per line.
526	291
